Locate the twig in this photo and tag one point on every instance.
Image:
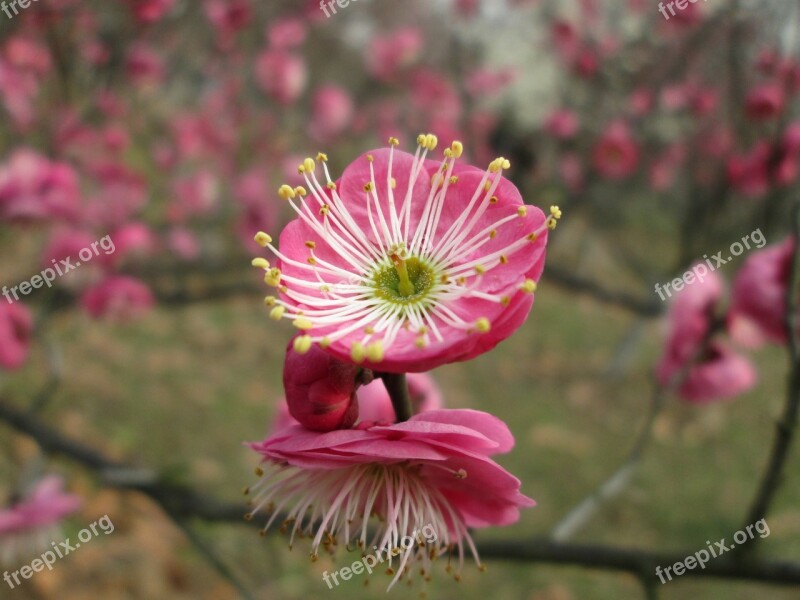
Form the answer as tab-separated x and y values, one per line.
786	426
183	502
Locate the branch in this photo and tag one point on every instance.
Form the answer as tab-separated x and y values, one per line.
637	561
181	502
785	428
567	279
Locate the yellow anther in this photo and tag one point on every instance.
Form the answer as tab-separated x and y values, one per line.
324	210
311	260
273	277
555	211
276	314
529	286
331	185
270	300
532	237
457	149
394	183
483	325
370	158
302	344
303	323
462	281
393	141
324	289
422	330
503	259
493	200
480	270
494	166
460	474
493	234
300	191
522	211
505	164
260	263
301	169
448	153
431	141
286	192
454	179
487	186
357	352
322	157
259	472
311	244
505	300
375	351
368	187
309	165
420	343
325	342
421	139
262	239
552	223
369	330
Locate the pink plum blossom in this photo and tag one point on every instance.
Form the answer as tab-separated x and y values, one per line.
748	173
389	53
759	290
331	113
433	470
16	330
118	297
281	75
765	102
287	33
703	369
320	390
407	263
616	154
36	517
562	124
150	11
35	188
375	405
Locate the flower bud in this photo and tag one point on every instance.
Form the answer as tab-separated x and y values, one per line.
320	390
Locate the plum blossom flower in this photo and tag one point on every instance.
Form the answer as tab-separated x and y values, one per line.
389	53
35	188
320	390
616	154
119	297
765	102
407	263
281	75
433	470
759	290
332	112
29	524
16	330
375	405
706	369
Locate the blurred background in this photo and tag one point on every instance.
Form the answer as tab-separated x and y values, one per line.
167	126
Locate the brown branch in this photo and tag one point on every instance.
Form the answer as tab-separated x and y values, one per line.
182	503
787	425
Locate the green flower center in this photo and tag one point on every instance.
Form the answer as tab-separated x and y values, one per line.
407	281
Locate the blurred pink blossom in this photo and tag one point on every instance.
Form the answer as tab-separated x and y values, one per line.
332	112
118	297
281	75
16	331
616	154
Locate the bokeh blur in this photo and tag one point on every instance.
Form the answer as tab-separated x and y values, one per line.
142	144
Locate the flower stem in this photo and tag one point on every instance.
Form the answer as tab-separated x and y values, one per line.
397	387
